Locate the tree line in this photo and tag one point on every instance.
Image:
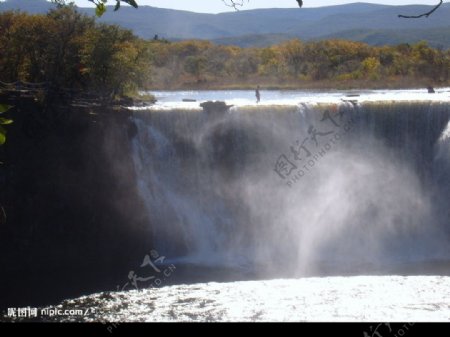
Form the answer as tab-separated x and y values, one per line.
69	50
297	64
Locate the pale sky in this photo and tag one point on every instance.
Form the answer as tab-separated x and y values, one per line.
217	6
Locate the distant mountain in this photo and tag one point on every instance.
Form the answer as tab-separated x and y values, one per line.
436	37
374	24
30	6
253	40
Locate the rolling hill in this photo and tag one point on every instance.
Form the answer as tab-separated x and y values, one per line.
373	24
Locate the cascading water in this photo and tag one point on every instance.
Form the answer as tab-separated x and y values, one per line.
298	189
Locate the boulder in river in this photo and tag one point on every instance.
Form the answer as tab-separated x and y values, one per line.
215	107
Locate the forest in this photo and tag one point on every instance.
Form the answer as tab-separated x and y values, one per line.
66	49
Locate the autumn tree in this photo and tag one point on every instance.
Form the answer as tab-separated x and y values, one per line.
66	49
195	65
294	55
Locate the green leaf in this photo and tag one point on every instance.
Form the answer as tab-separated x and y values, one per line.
2	136
5	121
100	9
4	108
116	8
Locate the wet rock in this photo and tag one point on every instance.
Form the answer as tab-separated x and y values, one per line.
215	106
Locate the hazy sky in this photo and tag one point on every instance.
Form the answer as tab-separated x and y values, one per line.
216	6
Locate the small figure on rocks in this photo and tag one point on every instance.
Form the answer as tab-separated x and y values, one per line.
430	90
258	95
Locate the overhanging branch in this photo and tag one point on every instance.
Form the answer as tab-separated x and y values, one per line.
234	3
239	3
427	14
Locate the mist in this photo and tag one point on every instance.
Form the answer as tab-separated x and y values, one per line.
367	196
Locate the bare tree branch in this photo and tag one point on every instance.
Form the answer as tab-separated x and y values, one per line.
234	3
239	3
427	14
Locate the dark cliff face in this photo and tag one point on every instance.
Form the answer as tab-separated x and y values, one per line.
74	222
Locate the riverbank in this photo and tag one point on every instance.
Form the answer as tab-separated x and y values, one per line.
250	84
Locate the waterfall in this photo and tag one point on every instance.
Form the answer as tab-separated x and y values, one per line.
293	188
